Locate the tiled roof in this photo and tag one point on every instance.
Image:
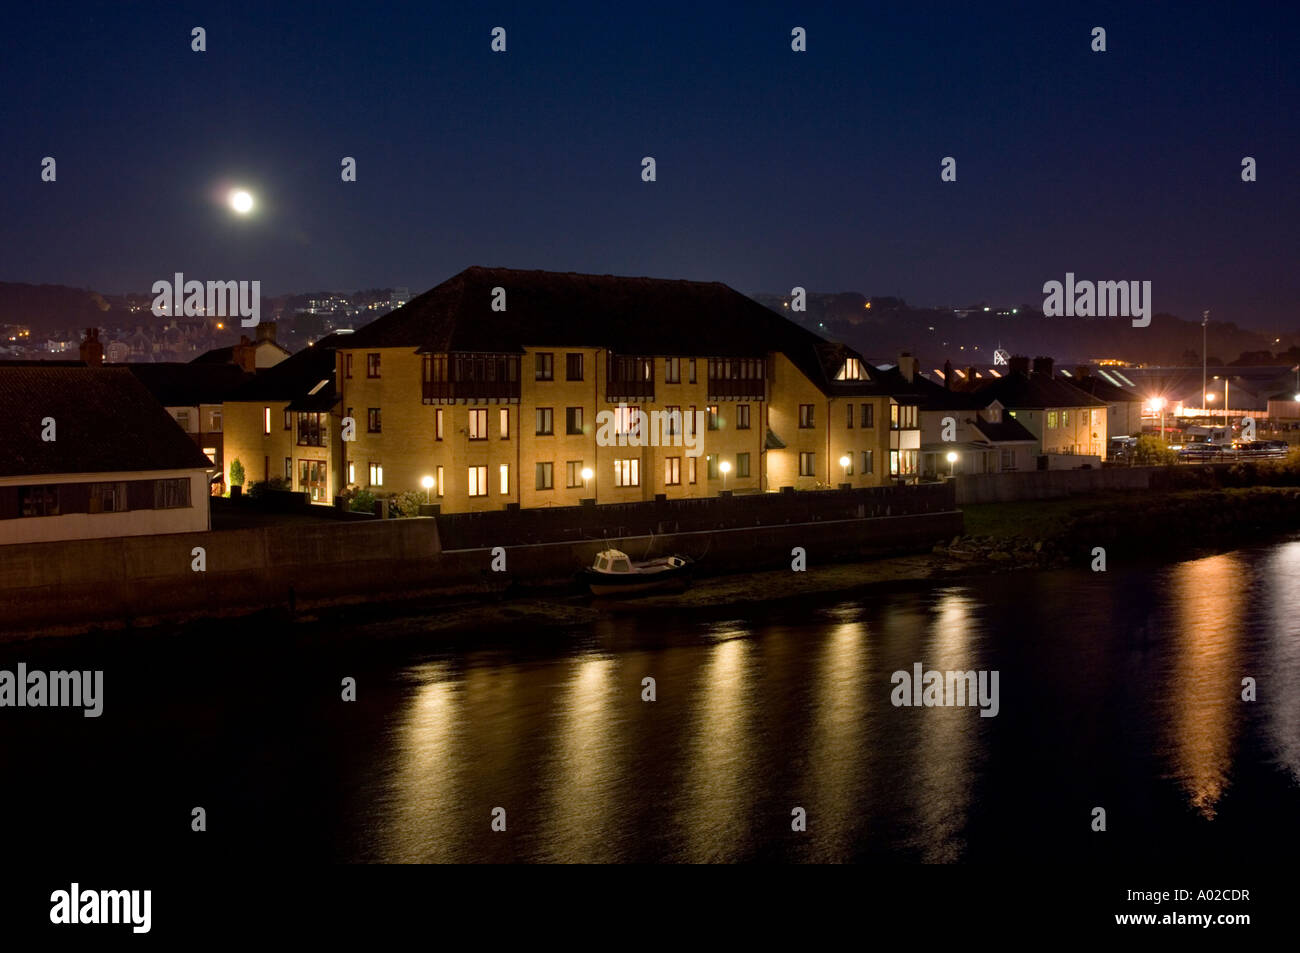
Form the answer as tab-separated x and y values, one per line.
1035	391
634	316
1008	430
105	420
188	385
1103	390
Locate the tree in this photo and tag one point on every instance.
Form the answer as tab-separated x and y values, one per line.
236	472
1149	451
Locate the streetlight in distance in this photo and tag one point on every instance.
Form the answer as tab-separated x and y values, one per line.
1158	405
725	467
427	483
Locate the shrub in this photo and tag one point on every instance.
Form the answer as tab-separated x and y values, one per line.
1149	451
261	487
361	501
236	472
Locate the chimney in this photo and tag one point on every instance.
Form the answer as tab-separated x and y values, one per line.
1019	364
92	352
266	331
1043	365
947	375
245	354
907	366
970	377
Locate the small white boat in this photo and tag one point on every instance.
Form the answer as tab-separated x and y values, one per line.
613	572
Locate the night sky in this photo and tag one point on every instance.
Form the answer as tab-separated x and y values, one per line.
775	168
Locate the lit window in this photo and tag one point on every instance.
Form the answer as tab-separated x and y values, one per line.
627	472
505	479
376	474
505	423
478	481
266	420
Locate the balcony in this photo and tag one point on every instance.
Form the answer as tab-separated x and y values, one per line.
629	378
449	378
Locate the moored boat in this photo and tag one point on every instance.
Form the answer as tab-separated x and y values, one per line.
612	571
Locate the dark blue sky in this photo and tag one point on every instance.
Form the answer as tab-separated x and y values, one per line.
774	168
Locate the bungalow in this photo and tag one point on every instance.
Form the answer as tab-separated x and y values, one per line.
87	452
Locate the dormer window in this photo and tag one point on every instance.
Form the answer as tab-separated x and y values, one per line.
851	371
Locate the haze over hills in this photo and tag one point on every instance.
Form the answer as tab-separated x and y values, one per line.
880	327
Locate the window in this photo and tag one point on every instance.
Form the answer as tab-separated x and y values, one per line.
347	365
352	472
868	417
1095	419
183	418
807	464
690	367
742	416
627	420
504	471
868	461
851	371
573	367
288	419
288	468
672	421
1051	420
214	421
711	415
210	453
171	494
438	487
107	498
478	424
478	481
573	473
372	365
266	420
672	471
38	500
545	367
437	424
902	462
374	420
712	462
573	419
1065	418
805	416
504	416
1008	459
312	430
742	465
849	417
690	468
545	421
672	370
902	416
376	474
627	472
545	476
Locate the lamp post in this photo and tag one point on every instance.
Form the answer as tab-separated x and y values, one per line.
586	477
1205	322
427	483
725	467
952	462
844	467
1158	403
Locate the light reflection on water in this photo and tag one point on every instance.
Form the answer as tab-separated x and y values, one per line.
755	719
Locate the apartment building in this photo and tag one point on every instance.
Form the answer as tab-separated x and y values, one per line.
504	387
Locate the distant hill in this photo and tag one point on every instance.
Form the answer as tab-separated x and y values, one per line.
890	325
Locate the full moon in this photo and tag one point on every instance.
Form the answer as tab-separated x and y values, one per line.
241	201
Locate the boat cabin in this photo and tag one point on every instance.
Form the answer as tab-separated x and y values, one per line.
611	560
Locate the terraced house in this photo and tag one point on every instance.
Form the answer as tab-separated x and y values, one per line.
534	388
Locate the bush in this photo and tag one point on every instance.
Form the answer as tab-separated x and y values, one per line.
360	501
236	472
261	487
1150	451
409	503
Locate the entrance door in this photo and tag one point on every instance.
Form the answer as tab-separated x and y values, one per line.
312	479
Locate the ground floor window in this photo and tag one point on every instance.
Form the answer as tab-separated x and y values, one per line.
478	481
627	472
807	463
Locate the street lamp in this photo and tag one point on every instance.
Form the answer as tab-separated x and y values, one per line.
586	477
952	461
427	483
844	466
1205	321
1158	403
725	467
